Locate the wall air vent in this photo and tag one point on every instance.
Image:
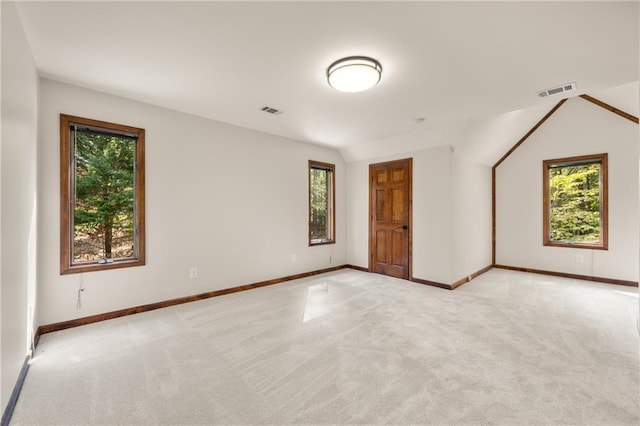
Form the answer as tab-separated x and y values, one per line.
569	87
271	110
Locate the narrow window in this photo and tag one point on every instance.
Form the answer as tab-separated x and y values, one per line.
575	202
102	195
321	203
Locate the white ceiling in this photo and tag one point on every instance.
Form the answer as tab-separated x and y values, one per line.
447	62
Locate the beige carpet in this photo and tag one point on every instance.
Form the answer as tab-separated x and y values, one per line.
349	347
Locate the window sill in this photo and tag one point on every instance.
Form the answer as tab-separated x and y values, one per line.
91	267
320	242
588	246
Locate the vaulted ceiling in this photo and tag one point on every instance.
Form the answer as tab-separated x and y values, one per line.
459	66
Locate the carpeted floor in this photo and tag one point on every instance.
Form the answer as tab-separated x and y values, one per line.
349	347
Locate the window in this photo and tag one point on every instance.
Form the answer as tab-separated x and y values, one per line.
102	195
575	202
321	203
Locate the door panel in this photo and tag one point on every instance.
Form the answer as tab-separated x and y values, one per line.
397	248
381	205
381	247
397	206
390	218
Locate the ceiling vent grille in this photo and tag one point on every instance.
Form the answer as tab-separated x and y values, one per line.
271	110
569	87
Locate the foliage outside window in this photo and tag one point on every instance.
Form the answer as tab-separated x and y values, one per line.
575	202
102	195
321	203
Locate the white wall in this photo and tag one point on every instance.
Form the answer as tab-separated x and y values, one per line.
432	214
230	201
18	196
451	214
577	128
471	216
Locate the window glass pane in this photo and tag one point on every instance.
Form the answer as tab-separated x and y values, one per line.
104	183
574	203
320	221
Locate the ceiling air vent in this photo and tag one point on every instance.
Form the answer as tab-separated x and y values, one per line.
271	110
557	90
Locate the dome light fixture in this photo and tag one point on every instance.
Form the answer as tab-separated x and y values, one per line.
354	74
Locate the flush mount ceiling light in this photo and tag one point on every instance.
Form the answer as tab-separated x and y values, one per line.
354	74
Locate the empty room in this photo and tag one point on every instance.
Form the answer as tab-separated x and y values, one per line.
320	213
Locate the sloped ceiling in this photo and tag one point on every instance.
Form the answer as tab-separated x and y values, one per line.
487	139
469	69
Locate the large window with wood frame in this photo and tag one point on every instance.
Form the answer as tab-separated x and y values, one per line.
102	195
575	202
321	203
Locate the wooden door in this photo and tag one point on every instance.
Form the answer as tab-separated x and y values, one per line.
390	218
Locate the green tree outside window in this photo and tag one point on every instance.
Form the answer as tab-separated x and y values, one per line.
575	202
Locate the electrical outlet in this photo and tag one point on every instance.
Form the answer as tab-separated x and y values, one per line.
193	273
579	258
294	258
330	260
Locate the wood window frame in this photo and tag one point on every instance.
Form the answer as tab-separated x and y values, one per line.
67	174
603	244
332	211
